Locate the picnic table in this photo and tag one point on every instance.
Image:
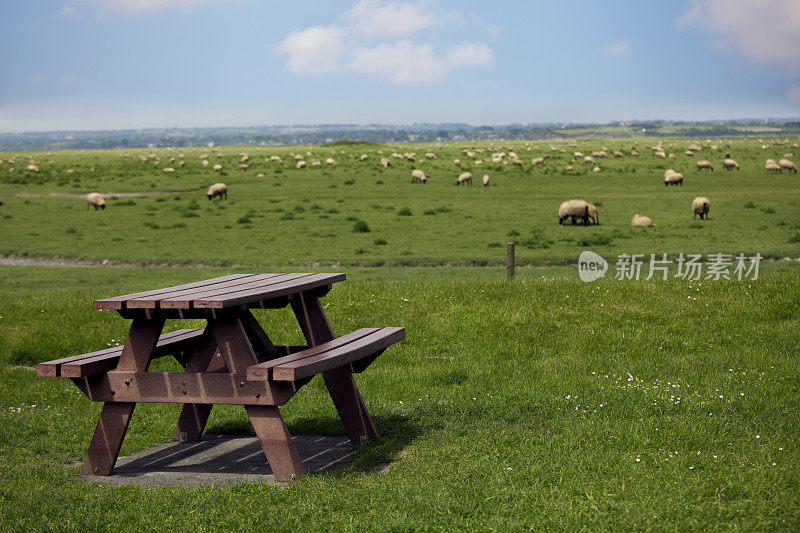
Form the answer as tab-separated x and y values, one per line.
230	361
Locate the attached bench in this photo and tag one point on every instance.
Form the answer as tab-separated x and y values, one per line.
88	364
355	350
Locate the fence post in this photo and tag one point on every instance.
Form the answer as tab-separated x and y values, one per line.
510	260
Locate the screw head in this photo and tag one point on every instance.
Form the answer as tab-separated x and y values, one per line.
241	383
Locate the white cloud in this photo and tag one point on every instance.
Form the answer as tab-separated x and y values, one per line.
140	6
374	38
764	31
67	11
374	18
618	48
406	62
316	50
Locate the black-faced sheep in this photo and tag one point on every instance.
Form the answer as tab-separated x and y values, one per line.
730	164
785	164
418	176
486	180
771	166
95	200
705	165
574	209
218	189
700	206
464	179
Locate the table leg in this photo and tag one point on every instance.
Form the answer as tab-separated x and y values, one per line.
193	417
276	442
115	416
339	381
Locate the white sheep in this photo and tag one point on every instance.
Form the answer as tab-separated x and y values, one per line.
95	200
771	166
597	169
574	209
218	168
33	168
700	206
330	161
464	179
705	165
418	176
457	162
785	164
301	164
639	221
218	189
385	163
588	160
730	164
592	212
486	180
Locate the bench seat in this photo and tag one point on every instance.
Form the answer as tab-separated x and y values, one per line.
357	349
88	364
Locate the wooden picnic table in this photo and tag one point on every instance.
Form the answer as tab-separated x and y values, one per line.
230	361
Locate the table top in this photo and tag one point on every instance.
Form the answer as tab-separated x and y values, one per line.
221	292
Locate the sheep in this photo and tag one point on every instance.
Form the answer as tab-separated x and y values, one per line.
771	166
457	162
218	189
418	176
688	153
673	178
639	221
430	155
218	168
168	169
660	154
597	169
205	162
516	162
568	168
700	206
275	159
537	161
301	164
33	168
486	180
363	157
330	161
574	209
385	163
730	164
95	200
785	164
634	153
464	179
589	160
182	164
618	154
600	154
244	166
704	164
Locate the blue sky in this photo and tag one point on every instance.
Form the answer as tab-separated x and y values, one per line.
107	64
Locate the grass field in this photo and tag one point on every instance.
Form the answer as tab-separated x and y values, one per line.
292	216
543	403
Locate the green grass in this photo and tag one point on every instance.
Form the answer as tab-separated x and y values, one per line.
543	403
292	216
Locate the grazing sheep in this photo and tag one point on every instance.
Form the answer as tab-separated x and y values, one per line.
330	161
205	162
418	176
486	180
568	168
705	165
464	179
600	154
688	153
275	159
95	200
168	169
638	221
430	155
537	161
618	154
597	169
574	209
660	154
244	166
730	164
301	164
785	164
218	189
771	166
634	153
385	163
589	160
182	164
33	168
260	175
516	162
700	206
363	157
457	162
218	167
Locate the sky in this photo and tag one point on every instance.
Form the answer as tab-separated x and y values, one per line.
116	64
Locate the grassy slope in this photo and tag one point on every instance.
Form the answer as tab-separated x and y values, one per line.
510	405
305	215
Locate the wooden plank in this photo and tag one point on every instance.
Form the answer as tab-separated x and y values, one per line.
187	388
339	356
263	371
276	442
116	302
53	368
154	301
184	300
275	291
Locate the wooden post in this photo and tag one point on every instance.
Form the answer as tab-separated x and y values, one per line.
510	260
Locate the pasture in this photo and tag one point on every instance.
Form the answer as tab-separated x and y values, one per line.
542	403
359	213
539	403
